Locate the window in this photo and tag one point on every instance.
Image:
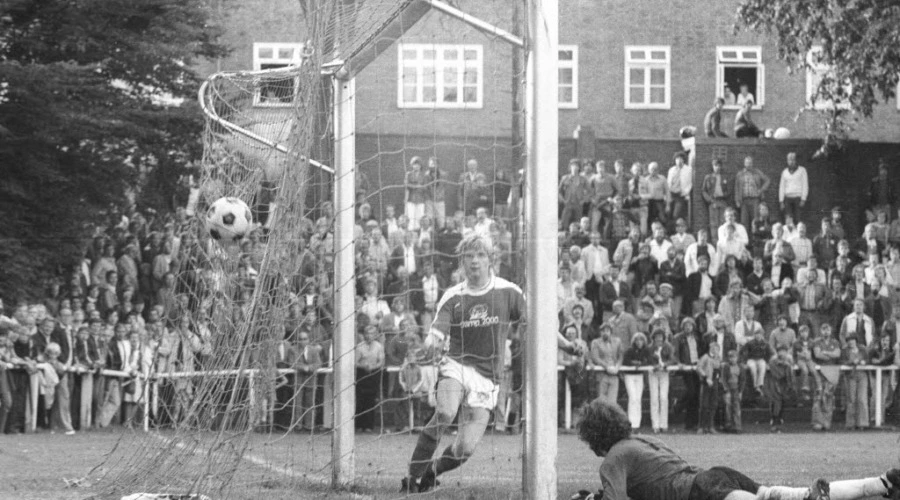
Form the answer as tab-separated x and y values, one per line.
815	72
276	92
440	76
568	76
647	77
740	75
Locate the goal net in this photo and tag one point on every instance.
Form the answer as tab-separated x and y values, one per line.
240	398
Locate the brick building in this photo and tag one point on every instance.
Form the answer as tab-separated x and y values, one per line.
628	71
632	71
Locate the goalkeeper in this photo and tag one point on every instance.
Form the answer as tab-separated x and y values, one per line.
472	322
643	468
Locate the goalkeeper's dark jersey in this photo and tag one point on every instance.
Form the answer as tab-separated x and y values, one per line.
476	323
643	468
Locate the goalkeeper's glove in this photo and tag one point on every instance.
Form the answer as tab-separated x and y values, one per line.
587	495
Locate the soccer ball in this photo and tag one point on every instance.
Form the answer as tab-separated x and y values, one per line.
782	133
228	220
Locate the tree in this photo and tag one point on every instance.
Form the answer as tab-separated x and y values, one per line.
858	46
87	115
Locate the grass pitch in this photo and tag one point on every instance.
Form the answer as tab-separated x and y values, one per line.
45	466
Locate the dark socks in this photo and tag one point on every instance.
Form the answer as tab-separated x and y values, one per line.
421	456
447	462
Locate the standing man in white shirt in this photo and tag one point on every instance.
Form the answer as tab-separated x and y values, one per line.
596	265
680	183
793	188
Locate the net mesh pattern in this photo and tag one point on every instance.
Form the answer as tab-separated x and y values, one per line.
251	414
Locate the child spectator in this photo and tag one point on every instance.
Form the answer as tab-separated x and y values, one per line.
709	369
779	385
755	353
733	383
636	356
857	383
663	355
802	351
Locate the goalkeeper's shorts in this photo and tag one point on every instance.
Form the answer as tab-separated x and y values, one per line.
478	390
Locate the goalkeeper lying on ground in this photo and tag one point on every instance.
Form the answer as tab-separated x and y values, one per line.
643	468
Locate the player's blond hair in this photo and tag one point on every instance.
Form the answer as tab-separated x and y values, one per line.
475	242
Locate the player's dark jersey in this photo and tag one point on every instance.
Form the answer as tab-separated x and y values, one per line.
643	468
476	323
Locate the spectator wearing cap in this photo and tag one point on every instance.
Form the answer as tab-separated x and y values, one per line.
687	344
680	184
793	188
607	353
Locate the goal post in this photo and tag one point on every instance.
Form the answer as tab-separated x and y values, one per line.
542	131
342	447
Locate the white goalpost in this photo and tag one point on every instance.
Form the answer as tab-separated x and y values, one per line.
540	397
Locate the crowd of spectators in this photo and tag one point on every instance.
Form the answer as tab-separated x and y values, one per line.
754	309
751	308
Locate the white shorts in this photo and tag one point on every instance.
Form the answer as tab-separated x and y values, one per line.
478	390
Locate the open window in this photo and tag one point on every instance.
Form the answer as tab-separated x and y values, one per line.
740	76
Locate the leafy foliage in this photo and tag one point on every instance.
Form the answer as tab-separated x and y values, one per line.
858	40
87	120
